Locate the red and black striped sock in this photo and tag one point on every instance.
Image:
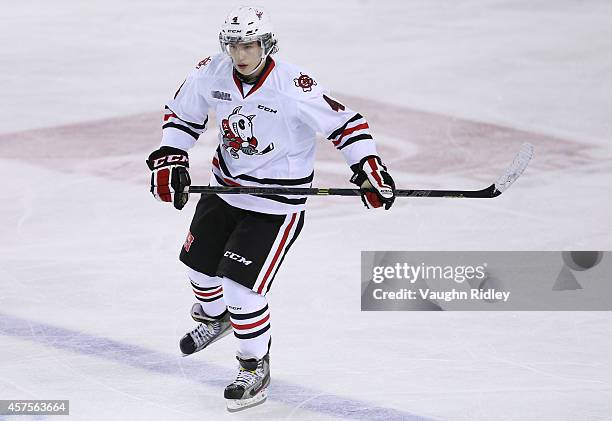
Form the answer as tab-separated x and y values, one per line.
208	290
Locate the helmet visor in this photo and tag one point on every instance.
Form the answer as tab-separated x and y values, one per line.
266	42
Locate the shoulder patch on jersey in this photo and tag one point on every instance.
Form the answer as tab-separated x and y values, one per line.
204	62
305	82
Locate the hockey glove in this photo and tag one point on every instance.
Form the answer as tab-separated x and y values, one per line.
170	179
376	185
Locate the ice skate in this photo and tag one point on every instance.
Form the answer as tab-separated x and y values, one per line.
250	387
208	330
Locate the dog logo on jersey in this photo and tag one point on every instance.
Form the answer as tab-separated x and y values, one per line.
238	135
305	82
203	62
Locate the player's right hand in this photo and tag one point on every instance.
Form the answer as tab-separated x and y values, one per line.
170	179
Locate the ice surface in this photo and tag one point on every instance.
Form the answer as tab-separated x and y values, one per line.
93	299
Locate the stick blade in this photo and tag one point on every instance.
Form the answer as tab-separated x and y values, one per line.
514	171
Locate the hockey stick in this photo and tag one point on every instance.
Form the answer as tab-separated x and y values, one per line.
521	160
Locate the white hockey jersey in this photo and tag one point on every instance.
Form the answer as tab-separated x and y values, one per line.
266	131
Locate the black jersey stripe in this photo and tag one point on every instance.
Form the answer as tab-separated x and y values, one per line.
283	199
192	126
339	131
275	198
252	335
354	139
279	181
179	89
222	181
182	128
189	123
244	316
273	181
269	181
222	164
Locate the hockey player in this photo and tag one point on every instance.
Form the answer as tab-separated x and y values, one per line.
268	112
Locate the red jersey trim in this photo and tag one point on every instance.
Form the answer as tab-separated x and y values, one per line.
260	81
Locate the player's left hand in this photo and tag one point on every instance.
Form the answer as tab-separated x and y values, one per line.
170	179
376	184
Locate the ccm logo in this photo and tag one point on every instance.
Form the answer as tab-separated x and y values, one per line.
237	258
169	160
270	110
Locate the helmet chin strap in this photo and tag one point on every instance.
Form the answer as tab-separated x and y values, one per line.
248	77
261	61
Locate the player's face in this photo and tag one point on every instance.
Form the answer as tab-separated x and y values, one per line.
246	56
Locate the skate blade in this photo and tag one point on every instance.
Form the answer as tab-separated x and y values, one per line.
235	405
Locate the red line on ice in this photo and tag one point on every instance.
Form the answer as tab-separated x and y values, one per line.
442	144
